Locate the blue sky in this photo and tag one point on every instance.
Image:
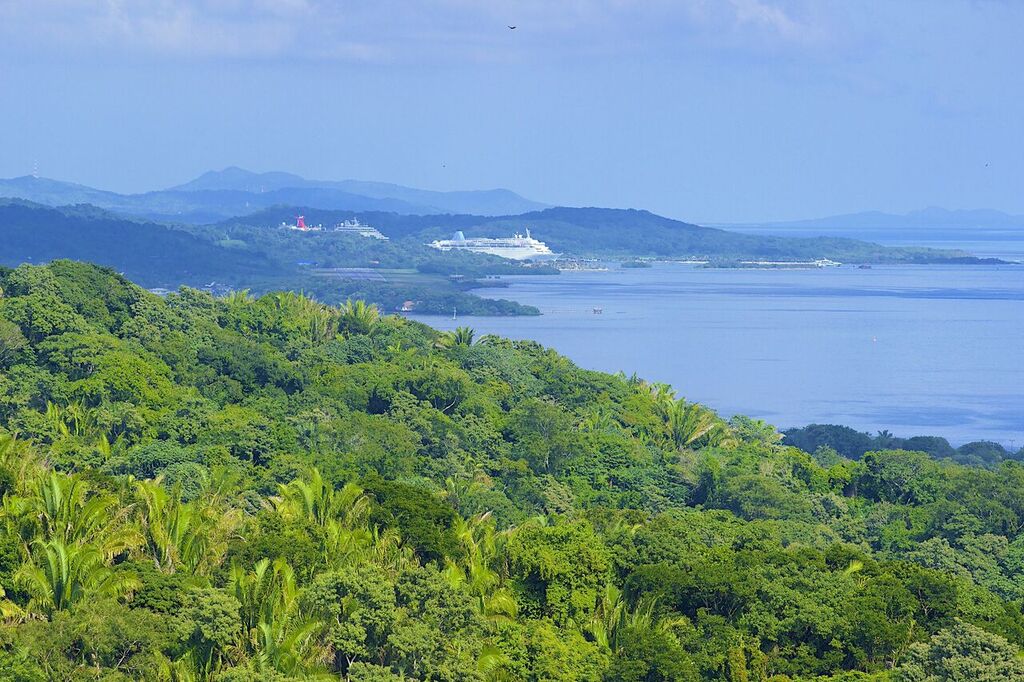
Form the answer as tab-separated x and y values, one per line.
705	110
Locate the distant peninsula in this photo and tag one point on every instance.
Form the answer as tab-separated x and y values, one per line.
227	235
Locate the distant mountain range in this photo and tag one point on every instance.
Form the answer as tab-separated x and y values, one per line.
217	195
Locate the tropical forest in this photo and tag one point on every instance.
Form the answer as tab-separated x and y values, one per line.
241	488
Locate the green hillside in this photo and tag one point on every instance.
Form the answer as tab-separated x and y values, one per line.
615	233
253	252
266	489
256	259
150	253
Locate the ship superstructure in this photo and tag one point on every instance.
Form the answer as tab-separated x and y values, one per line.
516	247
362	229
345	227
301	226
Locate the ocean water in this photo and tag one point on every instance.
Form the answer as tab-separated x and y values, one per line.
918	350
1004	249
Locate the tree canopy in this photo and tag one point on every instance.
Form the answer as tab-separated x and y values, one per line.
269	488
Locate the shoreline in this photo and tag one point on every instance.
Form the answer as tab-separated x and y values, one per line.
892	326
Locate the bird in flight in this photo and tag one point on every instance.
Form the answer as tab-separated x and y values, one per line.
512	28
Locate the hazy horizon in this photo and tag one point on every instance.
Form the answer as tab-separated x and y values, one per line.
740	111
753	223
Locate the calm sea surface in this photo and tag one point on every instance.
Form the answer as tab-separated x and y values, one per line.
935	350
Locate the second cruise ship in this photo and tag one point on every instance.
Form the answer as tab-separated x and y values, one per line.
516	247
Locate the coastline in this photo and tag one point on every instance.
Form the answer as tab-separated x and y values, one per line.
763	342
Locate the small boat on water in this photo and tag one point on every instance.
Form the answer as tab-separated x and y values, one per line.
598	311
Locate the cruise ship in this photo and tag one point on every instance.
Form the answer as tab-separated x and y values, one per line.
516	247
301	226
346	227
362	229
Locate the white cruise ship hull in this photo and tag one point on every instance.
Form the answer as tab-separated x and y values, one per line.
513	253
517	247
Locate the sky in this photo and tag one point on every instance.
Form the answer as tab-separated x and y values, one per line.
703	110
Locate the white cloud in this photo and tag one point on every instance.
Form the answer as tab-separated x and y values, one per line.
769	16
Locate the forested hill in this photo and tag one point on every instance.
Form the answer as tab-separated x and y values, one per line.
266	489
235	197
150	253
606	232
628	232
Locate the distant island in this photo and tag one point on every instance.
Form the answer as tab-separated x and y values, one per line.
983	227
223	231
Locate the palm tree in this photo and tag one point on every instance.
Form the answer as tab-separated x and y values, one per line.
78	420
16	455
613	617
690	423
885	439
323	324
62	508
238	298
192	536
459	487
343	545
492	340
74	419
601	420
472	570
290	648
62	575
358	317
664	398
318	502
492	664
188	668
462	336
277	634
343	514
388	551
257	591
608	617
319	320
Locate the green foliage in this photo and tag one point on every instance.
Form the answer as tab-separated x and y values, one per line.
962	653
421	518
561	570
122	642
853	444
12	342
271	488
